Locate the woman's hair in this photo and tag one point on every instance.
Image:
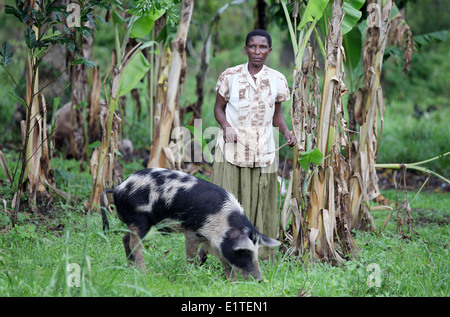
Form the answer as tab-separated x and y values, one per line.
259	32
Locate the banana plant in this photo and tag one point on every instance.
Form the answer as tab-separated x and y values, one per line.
319	123
168	98
44	27
386	33
127	70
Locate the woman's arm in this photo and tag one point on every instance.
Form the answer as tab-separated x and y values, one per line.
229	134
278	122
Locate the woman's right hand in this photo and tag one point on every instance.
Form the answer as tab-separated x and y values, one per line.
229	135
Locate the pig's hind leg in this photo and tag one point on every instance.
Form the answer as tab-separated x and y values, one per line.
132	242
126	245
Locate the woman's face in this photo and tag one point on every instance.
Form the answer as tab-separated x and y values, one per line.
257	50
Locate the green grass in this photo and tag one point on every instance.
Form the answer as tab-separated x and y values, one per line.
34	255
34	259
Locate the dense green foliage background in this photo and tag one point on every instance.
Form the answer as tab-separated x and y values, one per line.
417	103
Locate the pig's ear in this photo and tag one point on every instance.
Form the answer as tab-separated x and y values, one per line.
265	240
244	243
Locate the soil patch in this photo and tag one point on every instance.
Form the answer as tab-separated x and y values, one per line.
426	217
388	178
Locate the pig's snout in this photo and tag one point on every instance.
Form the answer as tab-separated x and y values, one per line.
256	271
252	273
257	277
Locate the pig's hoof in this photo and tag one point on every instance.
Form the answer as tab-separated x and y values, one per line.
143	269
201	257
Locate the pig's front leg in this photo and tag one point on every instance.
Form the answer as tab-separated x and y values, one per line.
192	243
229	272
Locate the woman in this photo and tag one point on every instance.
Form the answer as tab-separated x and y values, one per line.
248	104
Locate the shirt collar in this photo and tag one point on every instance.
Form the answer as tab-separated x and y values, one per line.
257	75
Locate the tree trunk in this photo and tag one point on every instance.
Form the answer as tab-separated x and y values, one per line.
261	16
36	173
79	79
328	188
103	158
104	168
369	103
320	198
202	71
305	100
169	106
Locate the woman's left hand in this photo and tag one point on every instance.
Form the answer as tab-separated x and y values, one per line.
290	138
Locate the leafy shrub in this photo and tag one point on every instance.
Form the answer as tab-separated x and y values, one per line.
407	139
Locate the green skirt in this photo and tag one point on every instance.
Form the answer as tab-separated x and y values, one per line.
255	188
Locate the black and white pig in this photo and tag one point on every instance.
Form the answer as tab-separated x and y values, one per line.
205	213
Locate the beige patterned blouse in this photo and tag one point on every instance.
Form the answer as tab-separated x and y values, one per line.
249	110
